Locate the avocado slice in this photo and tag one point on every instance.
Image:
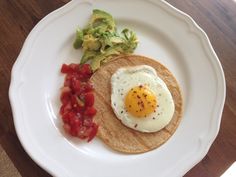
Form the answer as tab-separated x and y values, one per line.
103	20
91	43
79	38
100	40
88	55
105	57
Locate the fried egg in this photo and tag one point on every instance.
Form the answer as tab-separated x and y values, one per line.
141	99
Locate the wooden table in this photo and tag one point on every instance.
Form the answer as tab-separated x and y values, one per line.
216	17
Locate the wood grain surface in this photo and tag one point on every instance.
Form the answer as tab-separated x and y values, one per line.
216	17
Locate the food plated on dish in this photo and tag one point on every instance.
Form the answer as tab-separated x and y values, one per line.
171	38
133	103
134	125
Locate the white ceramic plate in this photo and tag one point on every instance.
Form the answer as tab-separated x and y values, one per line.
166	34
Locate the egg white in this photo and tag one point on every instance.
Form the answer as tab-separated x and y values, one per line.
126	78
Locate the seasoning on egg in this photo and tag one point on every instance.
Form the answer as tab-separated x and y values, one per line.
141	102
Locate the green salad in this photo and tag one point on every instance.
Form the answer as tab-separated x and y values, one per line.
100	40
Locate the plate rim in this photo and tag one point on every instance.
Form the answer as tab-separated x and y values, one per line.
15	83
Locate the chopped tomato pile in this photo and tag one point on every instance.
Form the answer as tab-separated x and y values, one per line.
77	100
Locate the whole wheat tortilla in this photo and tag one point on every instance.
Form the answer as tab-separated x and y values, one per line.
111	131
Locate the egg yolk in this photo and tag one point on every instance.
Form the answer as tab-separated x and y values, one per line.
140	101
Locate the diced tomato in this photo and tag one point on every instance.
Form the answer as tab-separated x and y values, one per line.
65	108
71	68
66	127
65	95
88	121
72	120
88	87
76	85
77	100
89	99
75	124
93	132
69	117
82	133
74	131
74	67
65	89
66	69
67	81
85	70
90	111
